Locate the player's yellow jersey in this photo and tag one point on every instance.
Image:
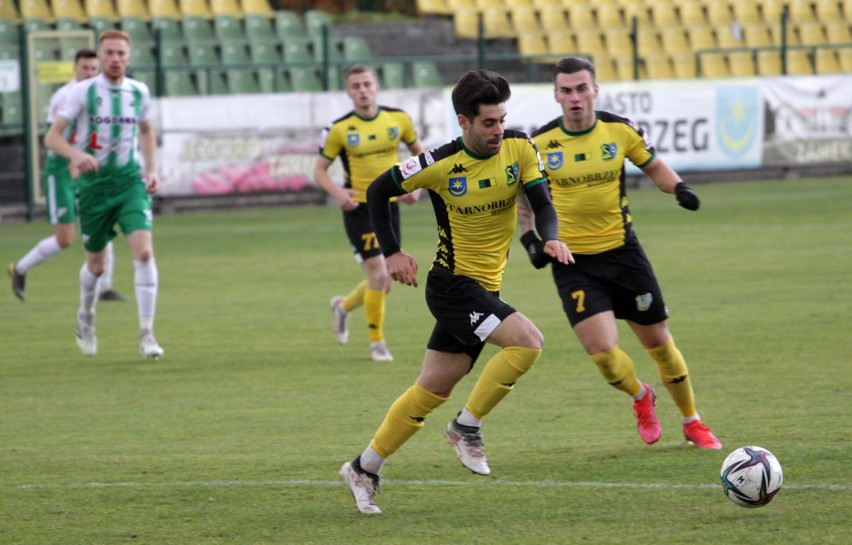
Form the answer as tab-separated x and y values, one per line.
587	182
367	147
475	200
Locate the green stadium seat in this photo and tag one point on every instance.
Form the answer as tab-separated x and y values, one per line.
167	28
100	24
241	81
303	80
316	20
392	75
66	23
297	50
173	55
9	51
264	52
259	28
425	74
68	47
355	48
197	30
34	24
12	109
318	48
235	52
180	84
137	29
9	33
206	61
288	25
142	56
228	28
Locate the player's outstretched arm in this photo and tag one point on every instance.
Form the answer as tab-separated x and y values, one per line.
669	182
547	224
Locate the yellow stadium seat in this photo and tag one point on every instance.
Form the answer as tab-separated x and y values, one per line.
101	8
226	7
714	65
772	10
132	8
618	41
810	33
746	12
496	23
741	63
589	40
799	62
539	4
683	65
518	3
757	35
664	14
561	43
729	36
69	9
552	18
674	41
659	66
837	32
827	62
532	44
775	32
35	9
692	13
194	8
719	12
163	8
800	11
639	10
258	7
609	15
769	63
580	15
647	41
8	11
466	23
604	69
702	37
483	5
624	68
846	59
524	19
425	7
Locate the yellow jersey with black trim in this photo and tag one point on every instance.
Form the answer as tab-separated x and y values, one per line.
587	182
475	201
367	147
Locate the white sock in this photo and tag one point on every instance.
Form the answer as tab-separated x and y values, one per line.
145	279
105	282
88	293
41	252
372	461
466	418
641	394
687	420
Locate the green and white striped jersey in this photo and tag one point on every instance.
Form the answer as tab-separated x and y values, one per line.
107	119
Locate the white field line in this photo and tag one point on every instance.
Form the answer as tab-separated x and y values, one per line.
417	483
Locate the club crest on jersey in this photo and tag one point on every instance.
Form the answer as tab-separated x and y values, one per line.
393	133
609	151
353	139
513	172
554	160
458	186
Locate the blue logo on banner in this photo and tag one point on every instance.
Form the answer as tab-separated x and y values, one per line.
737	114
353	139
458	186
554	160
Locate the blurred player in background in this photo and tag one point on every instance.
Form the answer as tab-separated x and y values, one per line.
584	152
474	183
367	142
112	116
60	191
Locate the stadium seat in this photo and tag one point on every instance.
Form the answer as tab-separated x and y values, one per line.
828	11
258	7
524	20
241	81
674	40
664	14
772	10
264	52
741	63
769	63
425	74
35	9
9	33
658	66
433	7
647	41
63	23
604	68
466	23
496	23
101	8
845	55
618	41
34	24
799	62
297	50
142	56
132	8
180	84
235	52
837	32
746	13
392	75
683	64
713	65
206	61
757	35
316	20
137	29
561	43
702	37
303	80
194	8
288	24
100	24
692	14
173	55
589	40
638	10
228	27
356	49
532	44
729	36
719	12
163	8
259	28
227	7
810	33
609	15
197	30
791	38
68	9
168	29
12	108
624	68
580	16
827	61
8	11
553	19
800	11
318	46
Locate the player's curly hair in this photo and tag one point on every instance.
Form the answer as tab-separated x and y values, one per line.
570	65
479	87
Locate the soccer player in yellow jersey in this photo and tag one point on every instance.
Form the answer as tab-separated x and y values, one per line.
367	141
584	152
473	183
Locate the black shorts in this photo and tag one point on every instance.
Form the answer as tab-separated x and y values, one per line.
466	313
620	280
360	231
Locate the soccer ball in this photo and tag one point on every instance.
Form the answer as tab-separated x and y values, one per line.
751	476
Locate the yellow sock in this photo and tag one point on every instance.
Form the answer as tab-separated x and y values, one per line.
500	374
404	418
374	308
355	298
675	376
618	370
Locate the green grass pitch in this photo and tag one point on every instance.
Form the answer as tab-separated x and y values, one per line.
236	436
